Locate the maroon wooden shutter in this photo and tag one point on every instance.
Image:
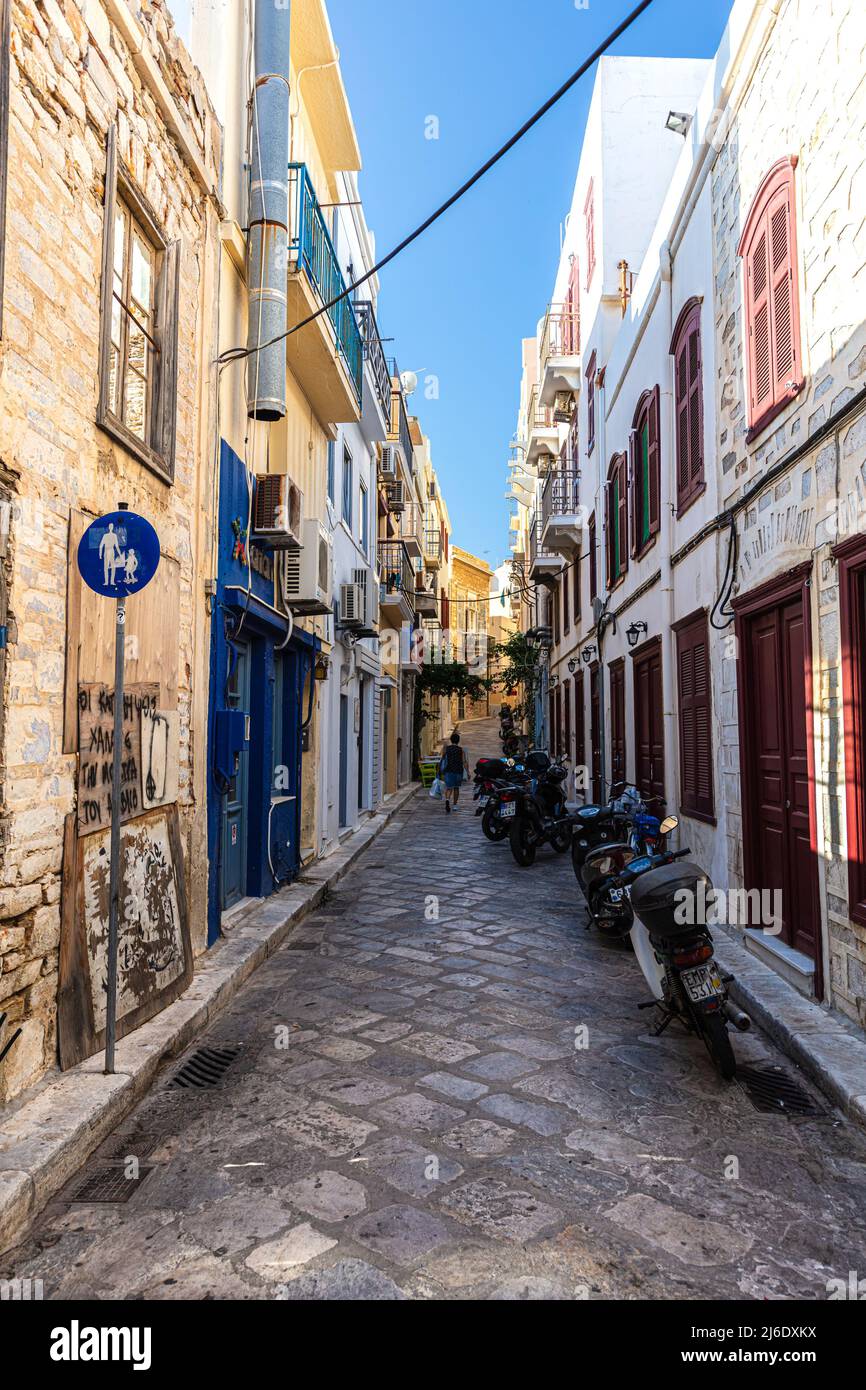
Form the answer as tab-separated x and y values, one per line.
634	485
576	582
695	709
623	514
567	713
593	571
654	462
683	421
758	308
696	405
782	307
608	530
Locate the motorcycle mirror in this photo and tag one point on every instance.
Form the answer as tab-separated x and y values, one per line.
510	762
670	823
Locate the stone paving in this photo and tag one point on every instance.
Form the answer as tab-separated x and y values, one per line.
445	1090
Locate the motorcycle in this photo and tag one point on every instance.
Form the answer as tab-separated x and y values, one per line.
537	815
492	777
606	898
675	953
602	825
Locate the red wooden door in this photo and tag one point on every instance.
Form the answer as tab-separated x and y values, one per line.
649	737
595	733
776	770
617	722
567	716
579	723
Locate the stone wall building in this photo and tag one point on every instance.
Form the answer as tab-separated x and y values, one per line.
469	621
111	158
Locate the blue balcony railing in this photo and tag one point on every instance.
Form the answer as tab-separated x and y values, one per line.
312	249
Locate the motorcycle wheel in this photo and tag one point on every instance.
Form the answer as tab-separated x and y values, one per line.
521	838
561	841
714	1031
615	928
492	826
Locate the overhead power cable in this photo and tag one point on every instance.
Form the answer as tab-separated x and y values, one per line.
238	353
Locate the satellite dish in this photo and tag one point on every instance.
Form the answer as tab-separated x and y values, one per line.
409	382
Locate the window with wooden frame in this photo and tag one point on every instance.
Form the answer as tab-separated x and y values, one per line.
768	249
554	608
5	42
566	617
851	559
589	216
139	324
688	404
590	405
645	463
616	520
694	694
579	722
593	562
566	712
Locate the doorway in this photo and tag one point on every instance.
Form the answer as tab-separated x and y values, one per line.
344	761
649	732
235	817
362	725
617	722
595	730
774	682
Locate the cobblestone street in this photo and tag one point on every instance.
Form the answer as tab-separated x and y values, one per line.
409	1117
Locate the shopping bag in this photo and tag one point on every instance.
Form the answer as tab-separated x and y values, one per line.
437	789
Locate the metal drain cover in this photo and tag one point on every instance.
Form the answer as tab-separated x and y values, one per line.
302	945
109	1185
772	1091
204	1068
122	1146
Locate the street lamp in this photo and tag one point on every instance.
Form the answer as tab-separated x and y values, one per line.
572	665
634	631
588	653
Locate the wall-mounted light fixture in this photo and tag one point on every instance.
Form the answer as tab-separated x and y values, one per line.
634	632
587	654
572	665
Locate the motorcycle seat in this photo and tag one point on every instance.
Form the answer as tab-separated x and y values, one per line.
594	815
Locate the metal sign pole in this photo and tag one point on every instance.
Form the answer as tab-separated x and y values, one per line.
114	879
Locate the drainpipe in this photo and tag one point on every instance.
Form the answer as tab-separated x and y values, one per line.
267	240
666	520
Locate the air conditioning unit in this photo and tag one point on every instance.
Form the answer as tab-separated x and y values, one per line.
389	461
351	605
397	496
306	581
277	509
365	580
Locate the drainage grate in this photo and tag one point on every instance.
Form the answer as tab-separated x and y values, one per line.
772	1091
302	945
123	1146
109	1185
204	1068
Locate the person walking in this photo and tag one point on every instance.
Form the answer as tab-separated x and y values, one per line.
454	766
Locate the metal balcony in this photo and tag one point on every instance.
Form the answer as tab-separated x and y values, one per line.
543	562
411	530
559	357
542	433
374	356
432	548
562	518
398	419
312	253
397	584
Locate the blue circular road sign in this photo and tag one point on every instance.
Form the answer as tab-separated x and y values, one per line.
118	554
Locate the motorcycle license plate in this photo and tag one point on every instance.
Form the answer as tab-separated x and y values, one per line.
483	800
508	808
702	983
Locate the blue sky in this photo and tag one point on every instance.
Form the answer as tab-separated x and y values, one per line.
458	302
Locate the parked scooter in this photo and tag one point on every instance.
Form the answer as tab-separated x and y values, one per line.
601	877
538	815
675	953
493	776
602	825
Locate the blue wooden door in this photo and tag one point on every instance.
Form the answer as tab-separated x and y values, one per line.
236	799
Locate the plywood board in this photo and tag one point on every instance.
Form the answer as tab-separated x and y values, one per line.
158	737
154	953
96	747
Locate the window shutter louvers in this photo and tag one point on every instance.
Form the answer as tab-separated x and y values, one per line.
695	704
634	490
654	501
165	419
622	504
772	300
688	408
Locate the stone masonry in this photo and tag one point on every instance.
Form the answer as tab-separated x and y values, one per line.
73	72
